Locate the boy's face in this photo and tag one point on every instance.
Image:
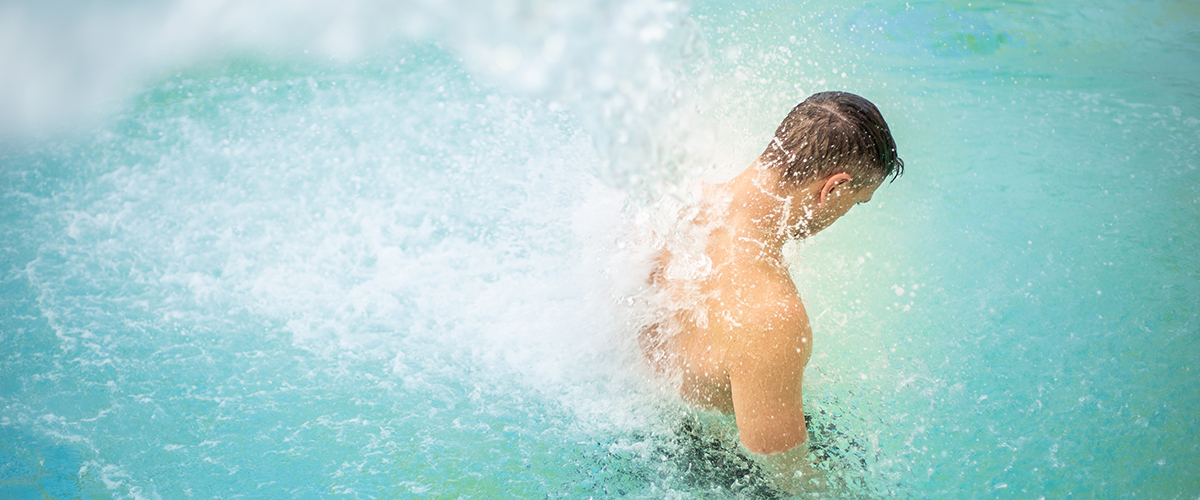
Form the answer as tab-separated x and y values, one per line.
837	196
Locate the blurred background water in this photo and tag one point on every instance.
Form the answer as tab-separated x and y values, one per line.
363	250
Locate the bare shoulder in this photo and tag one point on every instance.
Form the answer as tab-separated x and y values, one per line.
774	312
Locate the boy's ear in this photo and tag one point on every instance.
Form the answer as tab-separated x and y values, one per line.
829	187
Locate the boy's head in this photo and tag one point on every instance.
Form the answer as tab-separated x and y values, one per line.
831	133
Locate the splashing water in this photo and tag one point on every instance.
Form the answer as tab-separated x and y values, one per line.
371	250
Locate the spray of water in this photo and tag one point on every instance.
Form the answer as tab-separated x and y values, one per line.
629	70
371	220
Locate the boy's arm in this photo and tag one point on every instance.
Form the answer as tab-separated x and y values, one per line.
765	380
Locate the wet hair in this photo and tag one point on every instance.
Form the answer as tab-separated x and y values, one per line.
831	133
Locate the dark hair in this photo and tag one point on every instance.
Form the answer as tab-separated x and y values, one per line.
830	133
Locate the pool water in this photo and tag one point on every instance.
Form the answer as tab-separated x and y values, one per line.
305	251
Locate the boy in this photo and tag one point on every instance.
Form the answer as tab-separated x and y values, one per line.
737	338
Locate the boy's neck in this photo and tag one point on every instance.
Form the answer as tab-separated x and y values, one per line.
756	216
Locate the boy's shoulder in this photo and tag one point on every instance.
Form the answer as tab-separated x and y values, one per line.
772	312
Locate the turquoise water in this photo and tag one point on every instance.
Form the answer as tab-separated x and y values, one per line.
366	252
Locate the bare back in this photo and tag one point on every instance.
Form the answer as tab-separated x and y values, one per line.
737	341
